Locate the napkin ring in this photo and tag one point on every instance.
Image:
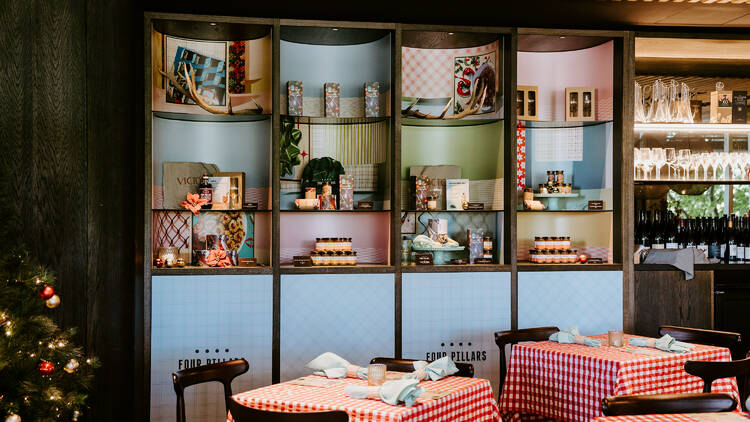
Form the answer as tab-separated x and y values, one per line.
351	371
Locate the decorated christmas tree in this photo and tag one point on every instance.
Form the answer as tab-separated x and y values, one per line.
44	376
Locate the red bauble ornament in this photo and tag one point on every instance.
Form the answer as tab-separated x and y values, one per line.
158	263
47	292
46	367
583	258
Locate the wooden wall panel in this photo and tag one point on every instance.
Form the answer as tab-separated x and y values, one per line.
666	298
67	139
111	134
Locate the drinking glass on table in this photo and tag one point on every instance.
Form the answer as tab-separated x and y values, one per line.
376	374
616	338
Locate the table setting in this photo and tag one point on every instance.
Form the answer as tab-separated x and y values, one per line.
371	393
566	377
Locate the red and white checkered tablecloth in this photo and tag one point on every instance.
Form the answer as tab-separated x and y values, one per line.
470	400
678	417
568	381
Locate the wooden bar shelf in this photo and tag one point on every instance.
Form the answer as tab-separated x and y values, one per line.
344	269
191	270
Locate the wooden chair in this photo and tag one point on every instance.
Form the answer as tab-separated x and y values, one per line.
647	404
223	372
512	337
732	341
710	371
407	365
241	413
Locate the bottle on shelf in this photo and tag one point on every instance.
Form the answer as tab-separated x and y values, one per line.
731	255
657	231
670	232
643	229
205	191
714	241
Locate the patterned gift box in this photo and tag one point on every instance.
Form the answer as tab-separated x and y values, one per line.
365	176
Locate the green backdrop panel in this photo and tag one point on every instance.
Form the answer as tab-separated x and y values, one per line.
477	149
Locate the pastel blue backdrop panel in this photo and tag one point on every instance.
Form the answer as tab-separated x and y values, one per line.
233	146
592	300
351	315
196	320
456	314
349	65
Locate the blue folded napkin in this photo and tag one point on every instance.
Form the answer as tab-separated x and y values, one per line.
666	343
391	392
332	365
572	336
434	371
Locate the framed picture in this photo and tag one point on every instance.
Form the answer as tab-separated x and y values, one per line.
580	104
473	73
236	187
526	102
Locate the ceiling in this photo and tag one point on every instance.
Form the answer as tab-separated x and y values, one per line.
609	14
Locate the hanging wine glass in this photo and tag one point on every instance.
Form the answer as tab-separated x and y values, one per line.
683	160
670	158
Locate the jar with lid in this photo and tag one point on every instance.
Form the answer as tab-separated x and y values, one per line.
354	255
550	177
543	189
340	258
546	243
559	177
538	242
532	256
487	244
556	257
528	194
431	203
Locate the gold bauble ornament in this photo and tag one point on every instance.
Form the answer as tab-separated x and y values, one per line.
13	418
76	415
53	302
71	366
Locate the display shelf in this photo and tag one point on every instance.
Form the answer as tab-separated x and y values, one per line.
450	268
539	124
704	128
313	120
187	210
413	121
191	270
564	211
698	267
691	182
528	266
451	211
330	211
330	36
188	117
211	29
344	269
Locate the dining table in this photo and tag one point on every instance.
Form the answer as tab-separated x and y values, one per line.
680	417
452	399
567	382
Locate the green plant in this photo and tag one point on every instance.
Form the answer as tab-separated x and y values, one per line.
290	150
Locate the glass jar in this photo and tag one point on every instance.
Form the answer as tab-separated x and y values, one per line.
538	242
565	244
556	257
550	177
487	244
354	254
532	256
315	258
543	189
431	203
340	258
559	177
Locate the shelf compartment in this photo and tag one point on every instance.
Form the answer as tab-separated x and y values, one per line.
191	270
528	266
449	268
540	124
355	269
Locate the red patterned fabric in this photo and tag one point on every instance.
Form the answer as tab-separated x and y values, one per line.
470	400
676	417
521	155
568	381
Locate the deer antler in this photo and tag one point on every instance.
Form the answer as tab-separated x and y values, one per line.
193	94
408	112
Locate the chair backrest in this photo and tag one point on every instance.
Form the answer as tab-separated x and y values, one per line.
730	340
503	338
223	372
710	371
647	404
407	365
241	413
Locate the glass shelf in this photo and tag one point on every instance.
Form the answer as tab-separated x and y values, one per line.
413	121
705	128
691	182
188	117
538	124
313	120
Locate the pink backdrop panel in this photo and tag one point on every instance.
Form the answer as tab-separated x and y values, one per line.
263	237
428	73
553	72
369	231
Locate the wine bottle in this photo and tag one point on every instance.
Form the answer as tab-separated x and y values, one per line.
690	234
740	233
657	234
670	231
714	244
205	191
702	235
644	230
731	239
746	236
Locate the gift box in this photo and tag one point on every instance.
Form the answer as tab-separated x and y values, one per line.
527	102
